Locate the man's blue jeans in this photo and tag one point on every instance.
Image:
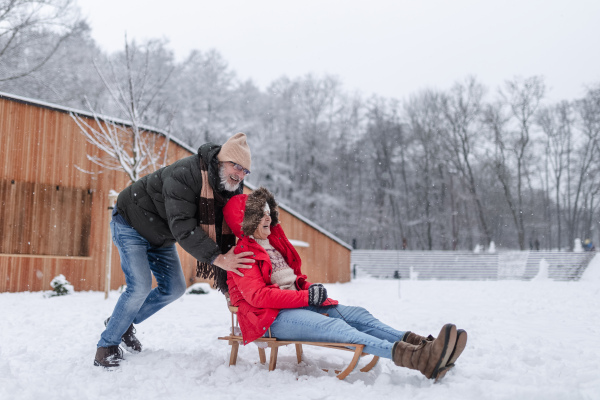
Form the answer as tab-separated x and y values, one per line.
139	260
345	324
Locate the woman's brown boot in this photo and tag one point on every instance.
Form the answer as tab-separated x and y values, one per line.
461	343
413	338
429	357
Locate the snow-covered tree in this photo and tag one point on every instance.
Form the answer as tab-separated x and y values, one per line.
206	96
134	87
31	32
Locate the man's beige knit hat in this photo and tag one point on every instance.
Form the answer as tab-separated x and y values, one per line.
236	149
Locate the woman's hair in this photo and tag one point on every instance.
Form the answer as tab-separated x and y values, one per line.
255	205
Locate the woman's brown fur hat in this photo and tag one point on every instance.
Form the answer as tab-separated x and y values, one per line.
255	205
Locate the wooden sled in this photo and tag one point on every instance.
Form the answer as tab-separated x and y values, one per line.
274	344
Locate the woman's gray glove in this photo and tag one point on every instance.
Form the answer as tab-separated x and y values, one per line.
317	294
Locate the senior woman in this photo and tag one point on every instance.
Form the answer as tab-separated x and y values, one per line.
275	294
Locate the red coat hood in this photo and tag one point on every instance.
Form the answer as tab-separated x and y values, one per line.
234	213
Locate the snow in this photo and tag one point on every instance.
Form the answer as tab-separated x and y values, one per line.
543	272
527	340
299	243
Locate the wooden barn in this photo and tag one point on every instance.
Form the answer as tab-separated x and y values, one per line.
54	217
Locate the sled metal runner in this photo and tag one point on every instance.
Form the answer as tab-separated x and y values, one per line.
274	344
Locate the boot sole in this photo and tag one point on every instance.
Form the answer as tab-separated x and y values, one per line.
442	372
461	343
111	368
130	349
449	332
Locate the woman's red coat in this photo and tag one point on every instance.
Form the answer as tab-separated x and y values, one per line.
257	298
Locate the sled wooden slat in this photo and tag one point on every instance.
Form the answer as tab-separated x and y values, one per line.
274	344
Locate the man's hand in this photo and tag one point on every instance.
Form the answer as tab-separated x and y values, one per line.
232	262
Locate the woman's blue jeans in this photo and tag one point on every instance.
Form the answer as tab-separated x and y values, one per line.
139	260
345	324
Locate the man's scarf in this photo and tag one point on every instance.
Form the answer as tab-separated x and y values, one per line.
206	220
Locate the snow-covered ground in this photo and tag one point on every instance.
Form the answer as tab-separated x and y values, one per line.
527	340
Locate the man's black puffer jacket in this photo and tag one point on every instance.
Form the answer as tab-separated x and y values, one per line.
162	206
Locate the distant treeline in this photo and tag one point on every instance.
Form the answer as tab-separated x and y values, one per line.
445	169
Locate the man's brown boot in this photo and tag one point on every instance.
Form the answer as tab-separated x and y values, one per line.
108	357
429	358
130	342
461	343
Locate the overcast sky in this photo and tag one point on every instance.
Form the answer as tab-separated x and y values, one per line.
389	48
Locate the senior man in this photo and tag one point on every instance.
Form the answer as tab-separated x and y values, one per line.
181	203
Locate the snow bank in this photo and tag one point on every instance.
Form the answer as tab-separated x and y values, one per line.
592	272
527	340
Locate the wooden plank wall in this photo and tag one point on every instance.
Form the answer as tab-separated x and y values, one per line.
44	206
325	260
39	148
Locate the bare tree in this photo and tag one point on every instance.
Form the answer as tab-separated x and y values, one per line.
128	146
425	116
557	122
347	158
31	32
463	110
387	138
512	147
581	181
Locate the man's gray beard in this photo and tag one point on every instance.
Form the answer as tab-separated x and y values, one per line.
225	183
